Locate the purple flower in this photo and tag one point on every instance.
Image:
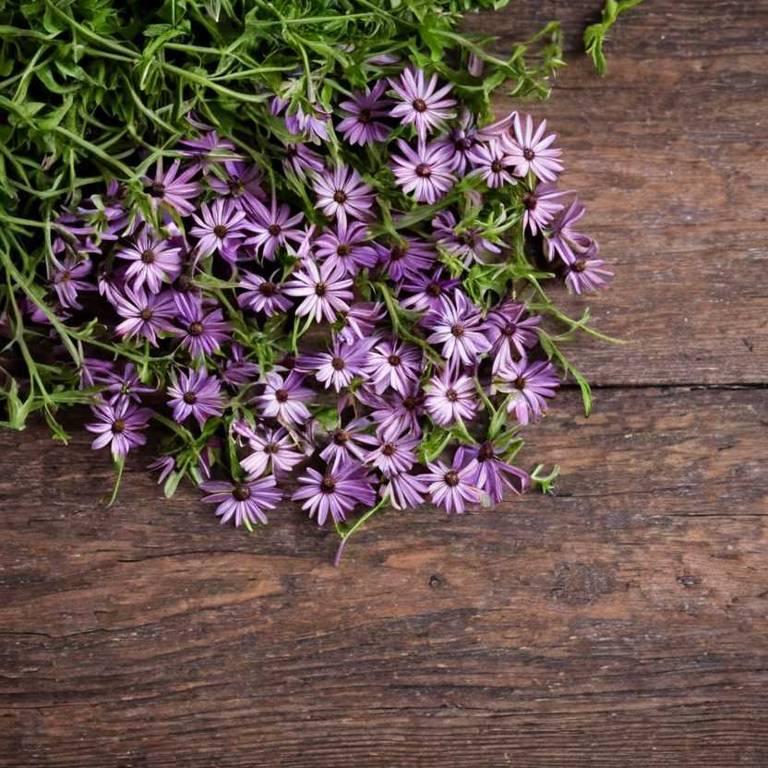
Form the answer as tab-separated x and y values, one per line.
451	398
420	103
394	453
300	160
404	491
530	151
325	288
146	314
452	486
220	229
587	273
347	247
153	261
245	502
530	385
349	441
428	291
425	171
241	183
360	320
95	371
273	227
335	493
540	206
498	130
68	280
460	141
195	393
172	189
561	238
510	332
492	474
165	465
283	399
407	258
237	370
458	326
262	295
398	412
202	331
313	124
393	363
207	149
343	193
270	449
119	425
465	243
490	162
360	125
339	366
125	384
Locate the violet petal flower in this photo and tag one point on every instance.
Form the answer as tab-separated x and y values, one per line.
324	288
428	291
467	244
174	189
404	491
347	247
284	398
532	151
237	370
490	162
272	228
451	398
202	331
245	503
125	384
510	332
561	237
394	453
347	442
425	171
361	125
146	314
541	205
120	425
393	363
398	412
459	328
153	261
239	182
422	103
220	229
587	273
337	367
493	474
262	295
530	385
271	449
197	394
67	279
452	486
406	259
361	320
301	161
342	194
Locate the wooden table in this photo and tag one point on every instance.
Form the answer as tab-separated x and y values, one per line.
621	622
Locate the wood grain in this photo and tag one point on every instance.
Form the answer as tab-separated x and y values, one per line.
621	622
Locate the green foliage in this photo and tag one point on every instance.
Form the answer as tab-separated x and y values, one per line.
595	35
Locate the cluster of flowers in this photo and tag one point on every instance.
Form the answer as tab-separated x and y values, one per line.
209	287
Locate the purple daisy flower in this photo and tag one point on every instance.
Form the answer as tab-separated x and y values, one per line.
409	257
300	161
510	332
335	493
541	206
262	295
452	486
587	273
94	371
393	363
153	261
243	502
531	151
325	288
360	125
428	291
347	247
146	314
270	449
202	331
460	141
195	393
220	229
394	453
361	320
283	398
164	465
120	425
340	365
531	384
67	279
172	189
398	413
561	238
490	162
237	370
208	149
273	227
458	326
492	474
343	193
450	398
239	182
421	103
125	384
349	441
313	124
425	171
468	244
404	491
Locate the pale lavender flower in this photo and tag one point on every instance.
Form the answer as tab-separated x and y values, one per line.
335	493
337	367
500	129
452	486
195	393
394	453
360	124
393	363
408	257
425	171
300	160
460	141
587	273
421	102
173	189
273	227
94	371
67	279
490	162
540	206
404	491
325	290
271	449
397	412
203	330
164	465
284	398
493	474
240	182
153	260
532	151
428	291
458	327
361	320
262	294
510	332
124	384
146	314
451	398
530	385
349	441
561	237
120	425
347	247
245	503
207	149
468	244
313	124
220	229
343	193
237	370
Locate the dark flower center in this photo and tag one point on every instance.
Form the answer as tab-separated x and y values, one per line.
65	276
579	265
148	256
281	395
220	230
241	492
271	448
267	289
468	239
236	187
388	449
340	196
146	314
496	166
157	188
433	289
520	383
423	170
320	289
343	250
291	151
419	105
528	153
274	230
397	252
464	144
195	329
328	484
457	329
337	364
365	116
452	395
340	437
190	398
509	329
529	201
486	452
118	426
409	403
394	360
451	478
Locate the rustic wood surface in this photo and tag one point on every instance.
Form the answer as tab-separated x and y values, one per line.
621	622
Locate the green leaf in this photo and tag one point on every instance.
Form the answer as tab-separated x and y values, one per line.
595	35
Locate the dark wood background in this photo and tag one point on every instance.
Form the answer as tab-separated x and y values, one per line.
622	622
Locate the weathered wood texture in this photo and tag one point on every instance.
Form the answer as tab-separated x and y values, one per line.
622	622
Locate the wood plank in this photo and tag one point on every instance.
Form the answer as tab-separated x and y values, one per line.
620	622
